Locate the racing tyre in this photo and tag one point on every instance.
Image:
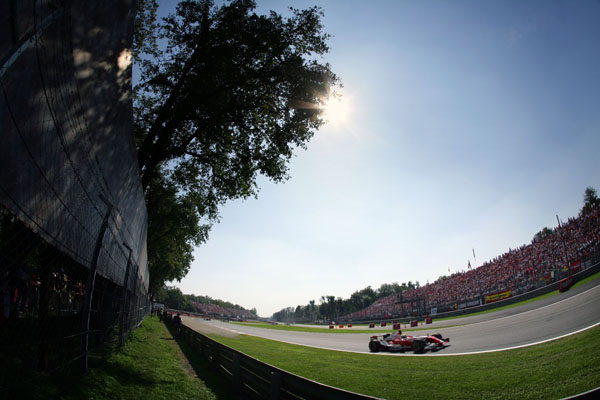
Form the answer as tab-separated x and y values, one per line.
418	346
374	346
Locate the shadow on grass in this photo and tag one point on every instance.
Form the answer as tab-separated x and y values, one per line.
128	374
18	380
19	376
215	382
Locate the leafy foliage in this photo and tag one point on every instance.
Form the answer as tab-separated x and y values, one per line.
144	36
231	97
590	200
173	298
173	230
544	233
331	307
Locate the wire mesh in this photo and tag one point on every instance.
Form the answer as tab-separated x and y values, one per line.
67	163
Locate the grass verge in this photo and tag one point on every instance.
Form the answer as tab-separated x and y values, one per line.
379	330
551	370
326	330
544	296
586	280
151	366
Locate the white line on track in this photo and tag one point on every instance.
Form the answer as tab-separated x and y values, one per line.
420	355
446	354
535	309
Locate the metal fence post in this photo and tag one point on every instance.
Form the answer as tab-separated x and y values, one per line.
89	289
275	385
14	21
134	299
214	361
44	305
237	377
201	345
123	296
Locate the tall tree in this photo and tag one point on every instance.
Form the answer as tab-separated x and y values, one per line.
544	233
173	231
145	29
231	97
590	200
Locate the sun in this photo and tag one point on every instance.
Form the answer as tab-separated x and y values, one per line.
336	110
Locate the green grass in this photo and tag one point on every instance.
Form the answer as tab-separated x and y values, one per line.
379	330
506	307
544	296
551	370
586	280
150	366
324	330
389	328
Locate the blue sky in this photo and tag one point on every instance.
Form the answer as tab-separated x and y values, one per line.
472	125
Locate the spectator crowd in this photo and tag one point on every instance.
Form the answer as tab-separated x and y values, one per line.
531	266
215	310
20	293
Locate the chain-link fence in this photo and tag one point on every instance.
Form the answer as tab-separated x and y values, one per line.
73	262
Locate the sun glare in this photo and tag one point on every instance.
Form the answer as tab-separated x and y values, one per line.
336	110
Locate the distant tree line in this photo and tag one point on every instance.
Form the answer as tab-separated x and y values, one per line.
331	308
172	297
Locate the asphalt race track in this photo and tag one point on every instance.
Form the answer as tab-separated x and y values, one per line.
528	324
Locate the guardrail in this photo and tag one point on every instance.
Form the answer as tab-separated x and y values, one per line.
595	267
254	379
521	297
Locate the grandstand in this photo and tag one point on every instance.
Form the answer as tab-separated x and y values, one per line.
517	271
217	311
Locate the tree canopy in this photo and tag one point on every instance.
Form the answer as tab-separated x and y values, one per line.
590	199
544	233
172	297
331	308
230	96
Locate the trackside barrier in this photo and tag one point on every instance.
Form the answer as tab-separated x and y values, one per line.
590	394
428	320
254	379
397	325
383	323
565	284
331	326
586	271
525	296
414	323
371	325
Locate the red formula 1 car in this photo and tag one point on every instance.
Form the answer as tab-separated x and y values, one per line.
399	342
